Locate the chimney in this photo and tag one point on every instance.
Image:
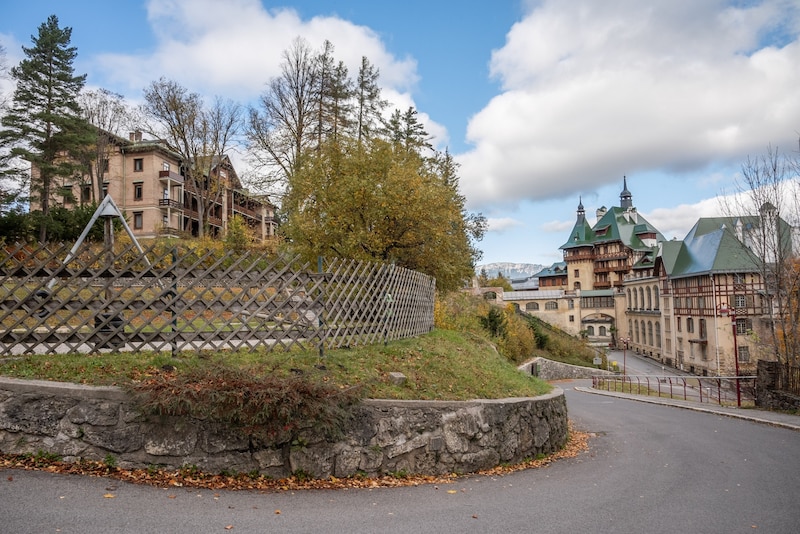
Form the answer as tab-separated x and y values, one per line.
137	136
600	212
131	135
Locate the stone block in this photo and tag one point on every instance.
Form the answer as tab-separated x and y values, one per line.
397	379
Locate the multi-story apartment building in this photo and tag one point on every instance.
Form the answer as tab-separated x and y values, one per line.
145	179
716	304
699	304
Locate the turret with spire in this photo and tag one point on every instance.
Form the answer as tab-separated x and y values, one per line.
625	198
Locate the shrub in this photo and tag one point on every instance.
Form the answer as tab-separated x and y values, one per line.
263	405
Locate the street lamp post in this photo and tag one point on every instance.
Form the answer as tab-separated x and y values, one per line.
732	312
625	341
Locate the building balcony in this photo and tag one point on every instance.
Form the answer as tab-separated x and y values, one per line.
168	203
169	176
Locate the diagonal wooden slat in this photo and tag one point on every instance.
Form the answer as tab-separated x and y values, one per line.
175	298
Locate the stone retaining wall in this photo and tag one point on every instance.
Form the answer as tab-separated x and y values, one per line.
550	370
430	437
767	394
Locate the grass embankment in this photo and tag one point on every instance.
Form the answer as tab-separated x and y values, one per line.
443	365
473	353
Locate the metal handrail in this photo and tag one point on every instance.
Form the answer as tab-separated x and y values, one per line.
718	389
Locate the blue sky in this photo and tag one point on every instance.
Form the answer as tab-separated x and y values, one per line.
543	102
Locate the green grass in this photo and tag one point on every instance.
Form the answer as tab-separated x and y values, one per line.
442	365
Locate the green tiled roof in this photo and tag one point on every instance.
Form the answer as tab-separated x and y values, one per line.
557	269
710	246
617	224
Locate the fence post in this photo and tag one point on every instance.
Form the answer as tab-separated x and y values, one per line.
319	316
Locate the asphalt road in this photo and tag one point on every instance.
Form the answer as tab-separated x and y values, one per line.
649	469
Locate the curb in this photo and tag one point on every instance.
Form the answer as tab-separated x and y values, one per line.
727	413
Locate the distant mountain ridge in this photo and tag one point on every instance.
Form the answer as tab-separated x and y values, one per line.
512	271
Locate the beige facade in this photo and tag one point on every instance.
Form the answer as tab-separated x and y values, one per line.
698	304
145	180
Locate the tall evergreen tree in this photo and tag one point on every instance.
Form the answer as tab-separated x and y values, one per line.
43	123
369	104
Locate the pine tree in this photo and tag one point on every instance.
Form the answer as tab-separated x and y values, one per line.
43	124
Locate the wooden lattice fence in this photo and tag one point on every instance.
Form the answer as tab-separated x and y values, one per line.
184	299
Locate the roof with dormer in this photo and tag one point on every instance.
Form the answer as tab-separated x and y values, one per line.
711	246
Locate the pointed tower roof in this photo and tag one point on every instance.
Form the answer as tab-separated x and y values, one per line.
625	197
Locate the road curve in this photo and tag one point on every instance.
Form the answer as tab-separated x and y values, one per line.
650	468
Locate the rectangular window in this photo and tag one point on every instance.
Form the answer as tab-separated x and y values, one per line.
739	301
105	165
577	273
678	322
572	318
138	220
138	165
165	166
741	326
86	192
137	191
744	354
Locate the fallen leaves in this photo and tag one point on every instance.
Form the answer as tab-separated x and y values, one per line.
578	442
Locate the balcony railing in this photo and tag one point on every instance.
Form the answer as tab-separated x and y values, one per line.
169	203
170	176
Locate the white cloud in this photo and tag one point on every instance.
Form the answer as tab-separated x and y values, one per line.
502	224
596	90
559	227
234	48
676	222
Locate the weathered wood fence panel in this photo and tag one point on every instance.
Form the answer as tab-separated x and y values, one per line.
181	298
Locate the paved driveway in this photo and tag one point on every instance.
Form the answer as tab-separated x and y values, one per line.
650	468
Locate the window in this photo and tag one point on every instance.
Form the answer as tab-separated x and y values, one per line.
105	165
655	291
741	326
572	318
689	325
629	299
138	220
571	304
602	330
649	299
590	330
678	322
702	324
650	333
86	192
739	301
551	305
658	334
137	191
738	278
105	189
165	166
744	354
138	165
532	306
577	273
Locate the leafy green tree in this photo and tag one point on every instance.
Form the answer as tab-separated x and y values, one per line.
43	122
377	204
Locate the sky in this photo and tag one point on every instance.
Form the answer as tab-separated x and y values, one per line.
543	103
